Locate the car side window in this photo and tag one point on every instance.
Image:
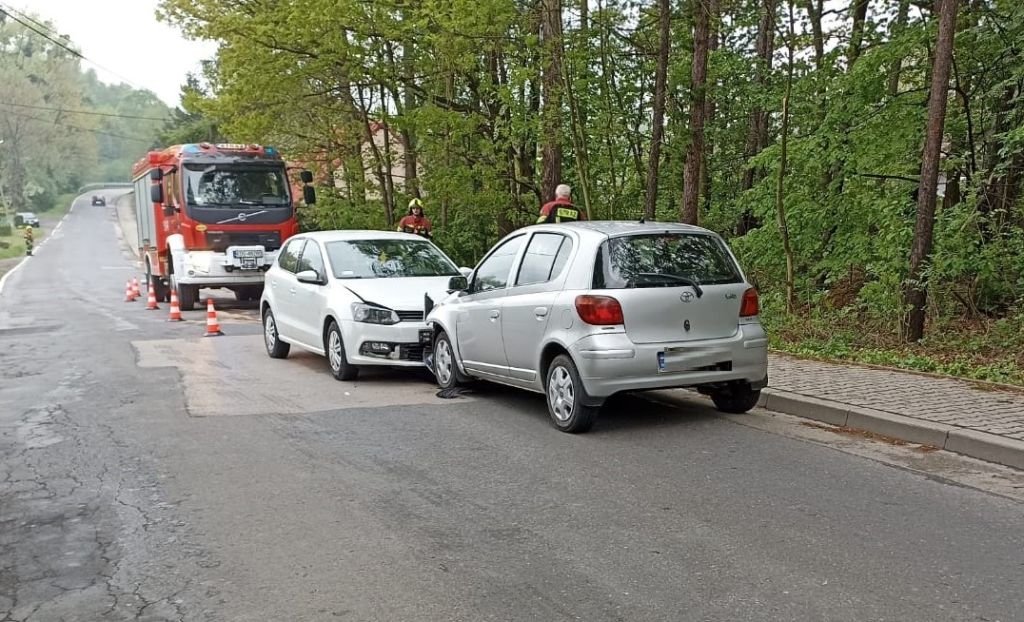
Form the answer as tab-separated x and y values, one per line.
544	258
493	272
312	259
289	259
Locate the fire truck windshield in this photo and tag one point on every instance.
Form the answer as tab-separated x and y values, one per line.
235	185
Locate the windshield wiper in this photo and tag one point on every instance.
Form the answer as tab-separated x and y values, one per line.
675	278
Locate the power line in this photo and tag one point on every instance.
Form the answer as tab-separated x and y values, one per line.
82	129
50	37
88	112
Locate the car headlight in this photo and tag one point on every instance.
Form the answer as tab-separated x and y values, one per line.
372	314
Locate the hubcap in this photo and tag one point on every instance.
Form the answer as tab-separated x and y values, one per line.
443	363
269	331
334	350
561	393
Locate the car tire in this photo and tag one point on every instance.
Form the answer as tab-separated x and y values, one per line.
334	345
188	295
736	399
565	397
276	348
446	367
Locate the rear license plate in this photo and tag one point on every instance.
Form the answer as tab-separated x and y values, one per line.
426	336
248	263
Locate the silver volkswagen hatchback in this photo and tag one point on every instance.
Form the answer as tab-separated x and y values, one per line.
582	311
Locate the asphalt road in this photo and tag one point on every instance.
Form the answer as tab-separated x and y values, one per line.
147	473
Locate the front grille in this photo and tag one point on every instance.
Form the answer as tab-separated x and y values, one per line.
219	241
410	316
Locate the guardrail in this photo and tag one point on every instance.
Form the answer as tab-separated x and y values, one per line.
100	186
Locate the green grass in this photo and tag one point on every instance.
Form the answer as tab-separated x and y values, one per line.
14	245
990	350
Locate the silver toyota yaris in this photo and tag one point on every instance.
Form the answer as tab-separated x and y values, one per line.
582	311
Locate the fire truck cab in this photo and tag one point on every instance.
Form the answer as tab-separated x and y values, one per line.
213	216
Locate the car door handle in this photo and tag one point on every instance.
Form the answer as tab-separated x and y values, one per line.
540	311
495	314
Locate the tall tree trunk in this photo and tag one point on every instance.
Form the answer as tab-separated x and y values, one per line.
710	110
658	120
757	131
897	65
551	113
814	11
859	9
409	156
780	190
916	289
698	84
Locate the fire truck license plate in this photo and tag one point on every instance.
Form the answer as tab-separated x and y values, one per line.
248	263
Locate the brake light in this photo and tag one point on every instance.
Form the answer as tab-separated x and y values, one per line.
751	305
599	310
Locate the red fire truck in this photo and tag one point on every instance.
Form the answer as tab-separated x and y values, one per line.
213	216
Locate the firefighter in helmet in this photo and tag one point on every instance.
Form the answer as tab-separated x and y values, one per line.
415	221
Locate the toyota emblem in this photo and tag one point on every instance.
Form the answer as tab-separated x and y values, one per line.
686	296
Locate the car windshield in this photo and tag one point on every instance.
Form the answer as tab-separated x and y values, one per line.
231	186
663	260
387	258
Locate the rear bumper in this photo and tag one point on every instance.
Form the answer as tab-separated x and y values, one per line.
611	363
403	338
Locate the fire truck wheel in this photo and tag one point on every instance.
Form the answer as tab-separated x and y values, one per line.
187	296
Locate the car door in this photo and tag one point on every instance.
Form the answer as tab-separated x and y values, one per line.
478	325
310	299
528	303
283	287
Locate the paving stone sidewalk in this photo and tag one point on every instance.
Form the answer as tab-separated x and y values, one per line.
936	400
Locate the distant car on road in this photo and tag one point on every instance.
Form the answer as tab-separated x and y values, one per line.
99	200
582	311
356	297
22	219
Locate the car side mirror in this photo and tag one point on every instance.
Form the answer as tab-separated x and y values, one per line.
306	177
156	174
458	284
309	195
156	193
310	276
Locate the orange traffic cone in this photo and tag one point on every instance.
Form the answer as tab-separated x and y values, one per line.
128	292
136	292
212	327
175	308
151	298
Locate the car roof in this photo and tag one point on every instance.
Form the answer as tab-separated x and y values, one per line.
341	235
608	228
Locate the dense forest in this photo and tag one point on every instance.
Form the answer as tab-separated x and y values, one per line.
60	126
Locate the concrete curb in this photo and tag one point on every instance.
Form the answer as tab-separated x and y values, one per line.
973	443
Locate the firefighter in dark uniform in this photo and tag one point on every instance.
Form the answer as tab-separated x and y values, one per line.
561	209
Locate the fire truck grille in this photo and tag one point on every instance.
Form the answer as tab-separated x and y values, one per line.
220	240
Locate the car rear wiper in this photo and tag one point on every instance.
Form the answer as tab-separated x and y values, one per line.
678	279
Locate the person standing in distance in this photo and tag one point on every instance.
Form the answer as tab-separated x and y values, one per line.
561	209
416	221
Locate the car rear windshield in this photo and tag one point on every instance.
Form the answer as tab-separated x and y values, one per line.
382	259
663	260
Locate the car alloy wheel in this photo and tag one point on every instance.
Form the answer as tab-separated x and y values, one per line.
561	393
269	331
443	362
334	350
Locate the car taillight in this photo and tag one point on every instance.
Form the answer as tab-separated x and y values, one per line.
750	306
599	310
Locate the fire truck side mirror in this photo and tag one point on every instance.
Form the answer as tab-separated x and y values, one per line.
156	174
306	177
308	195
156	193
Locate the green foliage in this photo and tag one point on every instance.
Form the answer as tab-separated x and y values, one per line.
460	84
